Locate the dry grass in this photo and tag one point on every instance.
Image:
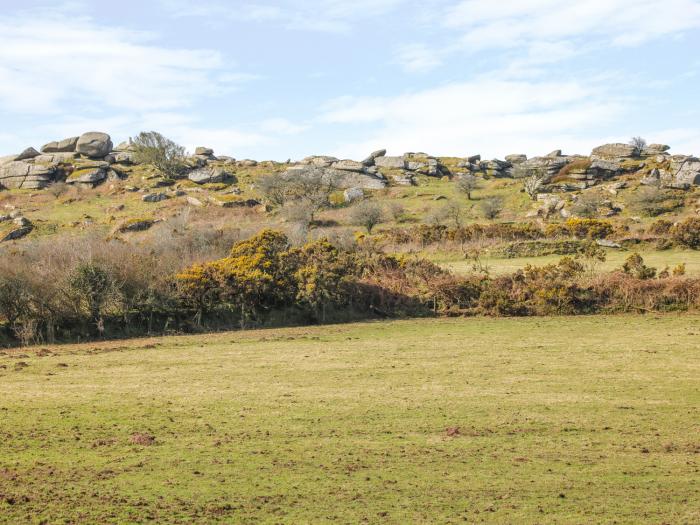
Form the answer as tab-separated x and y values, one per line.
585	420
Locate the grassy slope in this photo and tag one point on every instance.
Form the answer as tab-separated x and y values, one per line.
348	424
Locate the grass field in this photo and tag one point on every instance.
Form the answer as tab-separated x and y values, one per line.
614	260
561	420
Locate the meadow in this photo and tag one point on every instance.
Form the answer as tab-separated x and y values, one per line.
531	420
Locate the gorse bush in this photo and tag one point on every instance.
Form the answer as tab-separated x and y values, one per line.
88	287
687	233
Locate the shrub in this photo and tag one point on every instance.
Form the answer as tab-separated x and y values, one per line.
687	233
367	214
634	266
653	201
150	147
491	207
467	184
581	228
587	205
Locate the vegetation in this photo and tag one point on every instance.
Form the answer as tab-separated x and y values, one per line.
367	214
400	422
467	184
152	148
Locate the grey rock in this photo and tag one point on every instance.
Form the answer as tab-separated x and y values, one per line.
155	197
555	153
353	194
94	144
685	170
348	165
517	158
319	161
390	162
369	161
247	163
61	146
209	175
206	152
124	157
17	233
614	151
91	175
27	154
655	149
54	159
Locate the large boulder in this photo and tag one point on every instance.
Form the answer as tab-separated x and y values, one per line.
22	175
517	158
369	161
390	162
348	165
208	175
27	154
89	176
655	149
94	145
685	170
61	146
615	152
319	161
205	152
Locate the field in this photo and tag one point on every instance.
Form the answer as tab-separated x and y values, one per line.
614	260
548	420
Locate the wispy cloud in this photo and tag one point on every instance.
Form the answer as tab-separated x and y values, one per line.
332	16
473	116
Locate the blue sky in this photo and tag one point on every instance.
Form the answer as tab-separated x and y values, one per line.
286	79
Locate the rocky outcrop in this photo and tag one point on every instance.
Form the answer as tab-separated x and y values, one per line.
61	146
685	170
390	162
615	152
22	175
94	145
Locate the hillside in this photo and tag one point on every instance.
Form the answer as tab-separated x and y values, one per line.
85	183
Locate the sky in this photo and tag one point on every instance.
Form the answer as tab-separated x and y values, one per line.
286	79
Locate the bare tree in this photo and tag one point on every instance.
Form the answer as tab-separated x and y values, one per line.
639	144
168	157
312	187
533	185
454	212
467	184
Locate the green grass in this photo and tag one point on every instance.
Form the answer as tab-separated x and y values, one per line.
614	260
585	420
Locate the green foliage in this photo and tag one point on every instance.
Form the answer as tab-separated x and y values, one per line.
581	228
687	233
634	266
168	157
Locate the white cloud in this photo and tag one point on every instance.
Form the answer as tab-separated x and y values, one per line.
488	116
44	66
332	16
418	58
488	24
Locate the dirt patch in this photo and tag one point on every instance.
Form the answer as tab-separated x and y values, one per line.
142	439
452	431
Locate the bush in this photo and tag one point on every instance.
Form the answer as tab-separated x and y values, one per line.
581	229
491	207
653	201
367	214
687	233
467	184
587	205
150	147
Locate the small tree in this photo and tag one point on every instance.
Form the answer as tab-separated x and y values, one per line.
93	286
491	207
587	205
467	184
150	147
533	185
639	144
634	266
367	214
453	212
